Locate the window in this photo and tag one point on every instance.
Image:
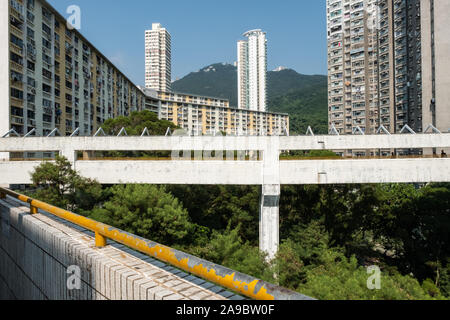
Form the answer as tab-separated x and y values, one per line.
16	58
46	29
30	16
46	14
46	103
46	118
46	73
46	88
46	43
31	82
31	114
30	33
47	58
16	76
15	93
16	111
30	65
18	42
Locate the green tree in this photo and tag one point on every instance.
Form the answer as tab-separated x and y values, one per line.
136	122
58	184
148	211
342	278
215	207
228	249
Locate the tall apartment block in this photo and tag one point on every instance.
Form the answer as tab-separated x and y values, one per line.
158	55
52	77
388	63
252	71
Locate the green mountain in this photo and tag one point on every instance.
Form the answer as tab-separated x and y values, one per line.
304	97
217	80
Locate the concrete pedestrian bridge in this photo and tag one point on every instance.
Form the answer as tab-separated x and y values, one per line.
239	160
225	161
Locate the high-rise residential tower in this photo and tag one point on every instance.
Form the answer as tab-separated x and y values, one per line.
51	76
158	59
252	71
388	65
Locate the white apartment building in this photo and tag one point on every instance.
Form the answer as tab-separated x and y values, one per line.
200	115
252	71
158	58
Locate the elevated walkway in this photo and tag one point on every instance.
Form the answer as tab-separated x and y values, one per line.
45	257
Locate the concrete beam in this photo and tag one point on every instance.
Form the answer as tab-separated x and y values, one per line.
246	172
399	141
364	171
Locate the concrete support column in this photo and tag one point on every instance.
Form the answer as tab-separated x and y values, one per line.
269	220
88	155
270	200
71	155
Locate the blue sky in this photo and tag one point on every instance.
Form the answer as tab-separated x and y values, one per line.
205	31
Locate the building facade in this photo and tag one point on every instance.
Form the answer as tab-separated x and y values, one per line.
383	57
252	71
199	115
158	59
52	77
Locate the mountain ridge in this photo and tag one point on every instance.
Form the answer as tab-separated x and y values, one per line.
303	97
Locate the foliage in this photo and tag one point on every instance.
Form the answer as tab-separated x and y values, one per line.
146	210
341	278
58	184
228	249
219	207
136	123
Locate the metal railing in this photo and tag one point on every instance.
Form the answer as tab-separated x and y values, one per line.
238	282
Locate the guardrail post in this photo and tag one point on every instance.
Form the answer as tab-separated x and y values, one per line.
100	241
33	209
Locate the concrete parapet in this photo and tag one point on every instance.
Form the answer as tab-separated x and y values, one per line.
45	258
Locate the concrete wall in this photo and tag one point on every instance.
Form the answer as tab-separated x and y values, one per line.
37	251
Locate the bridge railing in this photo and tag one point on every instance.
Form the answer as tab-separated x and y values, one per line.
238	282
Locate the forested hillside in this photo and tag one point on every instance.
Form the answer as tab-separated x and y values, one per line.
304	97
